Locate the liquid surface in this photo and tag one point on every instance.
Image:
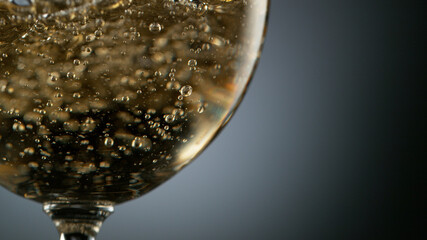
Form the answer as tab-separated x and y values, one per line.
105	100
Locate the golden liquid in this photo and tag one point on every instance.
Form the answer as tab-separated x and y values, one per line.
105	100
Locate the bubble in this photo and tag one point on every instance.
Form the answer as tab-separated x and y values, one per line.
201	109
70	75
18	126
88	125
53	77
76	95
186	90
178	112
108	142
90	38
206	46
155	27
76	62
192	63
142	143
202	8
86	52
169	118
29	151
125	99
10	90
98	33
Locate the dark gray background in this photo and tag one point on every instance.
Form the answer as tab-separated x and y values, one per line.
321	147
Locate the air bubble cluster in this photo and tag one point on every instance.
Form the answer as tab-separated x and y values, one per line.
111	98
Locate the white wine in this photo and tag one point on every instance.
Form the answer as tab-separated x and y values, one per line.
106	99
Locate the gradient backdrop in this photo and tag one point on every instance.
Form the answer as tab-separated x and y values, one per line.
322	147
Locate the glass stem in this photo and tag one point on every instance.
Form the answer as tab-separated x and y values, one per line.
78	220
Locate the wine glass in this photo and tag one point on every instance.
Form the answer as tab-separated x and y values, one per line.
101	101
